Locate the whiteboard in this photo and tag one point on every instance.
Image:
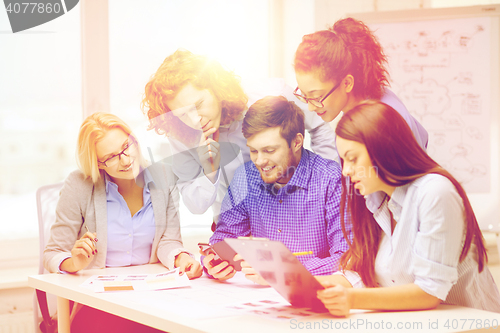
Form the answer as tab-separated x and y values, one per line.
444	66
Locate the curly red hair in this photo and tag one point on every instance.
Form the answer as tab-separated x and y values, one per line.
179	69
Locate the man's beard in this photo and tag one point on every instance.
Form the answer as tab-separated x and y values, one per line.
284	170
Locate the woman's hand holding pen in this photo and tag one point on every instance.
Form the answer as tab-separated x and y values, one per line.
82	253
209	153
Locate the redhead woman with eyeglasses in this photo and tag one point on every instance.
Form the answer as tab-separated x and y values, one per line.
416	241
114	211
338	68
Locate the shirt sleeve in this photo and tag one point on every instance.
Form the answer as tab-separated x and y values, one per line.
198	192
336	241
60	263
438	243
418	130
67	227
353	278
322	134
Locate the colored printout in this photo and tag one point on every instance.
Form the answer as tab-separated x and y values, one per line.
136	282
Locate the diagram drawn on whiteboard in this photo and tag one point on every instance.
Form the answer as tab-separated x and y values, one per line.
440	70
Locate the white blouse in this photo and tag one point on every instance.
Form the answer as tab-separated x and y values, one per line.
426	244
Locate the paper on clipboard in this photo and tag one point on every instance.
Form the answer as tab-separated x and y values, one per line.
281	269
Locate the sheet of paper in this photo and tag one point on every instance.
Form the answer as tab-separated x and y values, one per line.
137	282
208	298
272	309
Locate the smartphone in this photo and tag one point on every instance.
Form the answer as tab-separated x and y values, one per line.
208	249
222	252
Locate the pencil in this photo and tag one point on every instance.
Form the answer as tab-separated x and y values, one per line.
302	253
211	158
95	239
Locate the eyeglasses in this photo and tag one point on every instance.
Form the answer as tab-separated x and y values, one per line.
127	151
315	101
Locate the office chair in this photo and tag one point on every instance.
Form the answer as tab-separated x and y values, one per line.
46	201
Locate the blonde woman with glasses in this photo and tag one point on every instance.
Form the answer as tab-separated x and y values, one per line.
114	212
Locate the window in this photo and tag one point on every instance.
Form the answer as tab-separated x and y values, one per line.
40	98
143	33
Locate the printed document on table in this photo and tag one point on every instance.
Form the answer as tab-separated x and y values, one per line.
137	282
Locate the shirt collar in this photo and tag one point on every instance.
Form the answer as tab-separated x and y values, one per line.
108	181
301	175
144	175
374	201
399	194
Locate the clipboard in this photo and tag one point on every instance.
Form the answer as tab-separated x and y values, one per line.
281	269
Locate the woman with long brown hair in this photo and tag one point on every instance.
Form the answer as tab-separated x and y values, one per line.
416	241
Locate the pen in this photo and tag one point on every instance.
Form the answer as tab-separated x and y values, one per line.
254	238
211	159
95	239
215	137
302	253
188	268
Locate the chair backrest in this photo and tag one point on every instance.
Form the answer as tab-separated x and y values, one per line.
46	202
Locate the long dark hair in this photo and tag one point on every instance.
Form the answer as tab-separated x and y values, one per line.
348	47
399	159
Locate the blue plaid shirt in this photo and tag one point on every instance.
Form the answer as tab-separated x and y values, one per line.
304	214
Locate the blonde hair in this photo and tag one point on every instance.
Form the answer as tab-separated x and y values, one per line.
93	130
176	71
